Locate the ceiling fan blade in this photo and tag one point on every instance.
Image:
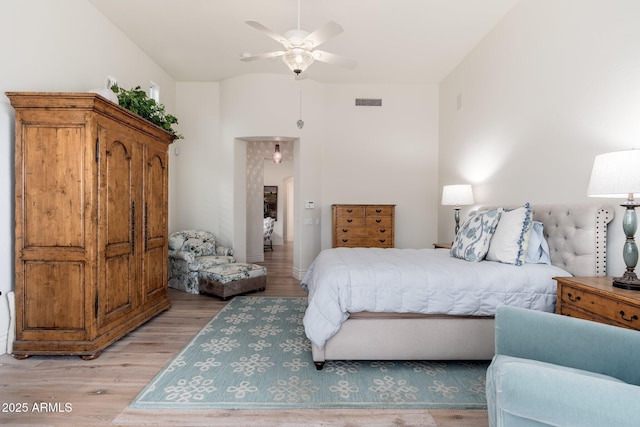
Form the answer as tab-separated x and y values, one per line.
322	34
263	56
258	26
332	58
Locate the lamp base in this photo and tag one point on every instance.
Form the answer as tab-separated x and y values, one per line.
628	281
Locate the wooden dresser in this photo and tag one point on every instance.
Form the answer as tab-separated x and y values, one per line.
363	226
595	298
91	222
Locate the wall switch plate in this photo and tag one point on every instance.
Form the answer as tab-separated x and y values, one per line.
309	205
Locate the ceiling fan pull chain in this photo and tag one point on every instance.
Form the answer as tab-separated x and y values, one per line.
300	123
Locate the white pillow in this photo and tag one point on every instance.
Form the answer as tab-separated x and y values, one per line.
473	238
538	251
511	239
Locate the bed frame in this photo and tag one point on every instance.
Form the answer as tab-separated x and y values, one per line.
577	237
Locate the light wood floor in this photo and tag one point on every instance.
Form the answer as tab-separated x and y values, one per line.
98	392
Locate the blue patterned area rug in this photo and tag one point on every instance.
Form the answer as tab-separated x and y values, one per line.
254	355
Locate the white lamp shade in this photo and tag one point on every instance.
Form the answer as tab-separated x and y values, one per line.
457	195
615	174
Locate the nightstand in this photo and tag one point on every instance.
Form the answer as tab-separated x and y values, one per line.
442	246
595	298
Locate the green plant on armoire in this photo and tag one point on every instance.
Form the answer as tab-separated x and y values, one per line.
137	101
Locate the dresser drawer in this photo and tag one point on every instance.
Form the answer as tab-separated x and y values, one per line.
373	233
364	242
352	231
579	314
350	211
377	221
342	222
618	312
379	210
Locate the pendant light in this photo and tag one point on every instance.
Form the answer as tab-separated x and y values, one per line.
277	155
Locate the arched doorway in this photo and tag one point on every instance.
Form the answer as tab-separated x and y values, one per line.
261	171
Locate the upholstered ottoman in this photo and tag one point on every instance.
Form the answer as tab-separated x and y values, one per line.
227	280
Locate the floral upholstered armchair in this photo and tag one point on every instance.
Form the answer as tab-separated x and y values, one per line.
191	251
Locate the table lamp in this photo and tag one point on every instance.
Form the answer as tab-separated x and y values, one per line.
617	175
457	195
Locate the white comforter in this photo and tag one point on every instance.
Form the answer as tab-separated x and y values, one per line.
348	280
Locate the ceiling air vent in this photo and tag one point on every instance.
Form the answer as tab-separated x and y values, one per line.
364	102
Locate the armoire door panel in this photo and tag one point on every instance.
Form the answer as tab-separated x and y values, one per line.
120	203
155	195
53	173
117	294
53	298
155	224
155	272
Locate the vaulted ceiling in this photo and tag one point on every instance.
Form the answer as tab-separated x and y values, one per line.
393	41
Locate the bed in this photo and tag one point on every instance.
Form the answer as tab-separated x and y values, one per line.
364	303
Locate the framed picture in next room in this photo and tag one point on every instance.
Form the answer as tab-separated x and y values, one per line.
271	201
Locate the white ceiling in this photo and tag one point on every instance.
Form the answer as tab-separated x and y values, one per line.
394	41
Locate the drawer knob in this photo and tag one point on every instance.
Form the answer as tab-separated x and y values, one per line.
378	220
630	319
349	220
378	210
383	240
344	230
349	210
345	240
382	230
572	298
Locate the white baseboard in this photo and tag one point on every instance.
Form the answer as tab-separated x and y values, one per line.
253	258
4	337
298	274
6	323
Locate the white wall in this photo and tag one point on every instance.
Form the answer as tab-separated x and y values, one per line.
193	190
552	85
386	155
344	154
66	46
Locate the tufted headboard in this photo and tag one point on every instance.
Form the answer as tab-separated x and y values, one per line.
577	236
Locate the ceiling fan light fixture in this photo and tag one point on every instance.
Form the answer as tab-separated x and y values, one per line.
298	60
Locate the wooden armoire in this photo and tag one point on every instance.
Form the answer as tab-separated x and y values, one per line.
90	222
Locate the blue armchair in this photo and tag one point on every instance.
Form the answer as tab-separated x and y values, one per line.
552	370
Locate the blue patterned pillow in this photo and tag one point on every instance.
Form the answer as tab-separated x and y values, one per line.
473	238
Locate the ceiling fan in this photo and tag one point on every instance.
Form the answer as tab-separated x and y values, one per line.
300	46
